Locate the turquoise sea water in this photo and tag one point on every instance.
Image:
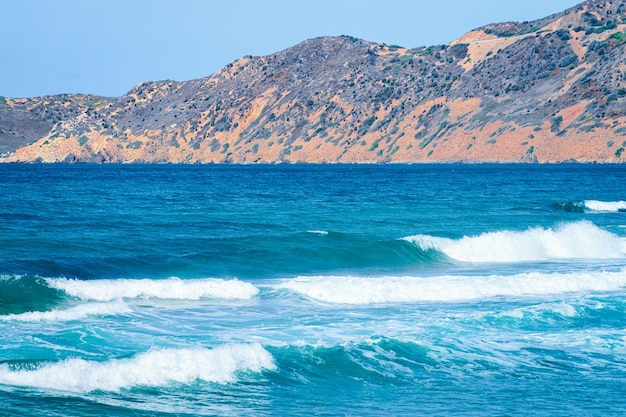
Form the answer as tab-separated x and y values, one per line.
452	290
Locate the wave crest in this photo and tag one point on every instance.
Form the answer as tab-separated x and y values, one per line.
606	206
23	293
580	240
171	288
592	206
155	368
73	313
385	290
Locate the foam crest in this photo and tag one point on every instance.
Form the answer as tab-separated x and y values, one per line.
155	368
318	232
606	206
171	288
580	240
74	313
385	290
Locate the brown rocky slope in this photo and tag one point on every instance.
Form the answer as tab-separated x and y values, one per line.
552	90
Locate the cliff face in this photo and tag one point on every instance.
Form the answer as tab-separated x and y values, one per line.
545	91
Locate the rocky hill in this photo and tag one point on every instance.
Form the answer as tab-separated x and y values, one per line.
550	90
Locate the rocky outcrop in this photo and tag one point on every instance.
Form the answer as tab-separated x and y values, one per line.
551	90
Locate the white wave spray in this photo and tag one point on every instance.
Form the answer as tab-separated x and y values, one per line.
385	290
72	313
171	288
580	240
155	368
605	206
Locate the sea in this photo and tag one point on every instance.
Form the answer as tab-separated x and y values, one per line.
312	290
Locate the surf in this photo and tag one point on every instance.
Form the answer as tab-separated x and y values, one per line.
79	312
579	240
169	289
606	206
154	368
448	288
591	206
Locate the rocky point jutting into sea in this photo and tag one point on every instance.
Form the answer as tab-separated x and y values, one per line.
550	90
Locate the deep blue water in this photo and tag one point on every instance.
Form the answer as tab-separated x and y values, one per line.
312	290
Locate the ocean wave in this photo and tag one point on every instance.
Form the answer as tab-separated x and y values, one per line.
23	293
155	368
609	312
606	206
580	240
592	206
322	250
561	309
393	360
378	358
386	290
73	313
171	288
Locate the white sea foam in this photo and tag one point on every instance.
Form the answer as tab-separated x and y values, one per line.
73	313
155	368
580	240
606	206
384	290
318	232
171	288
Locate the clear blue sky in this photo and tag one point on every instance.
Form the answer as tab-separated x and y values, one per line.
106	47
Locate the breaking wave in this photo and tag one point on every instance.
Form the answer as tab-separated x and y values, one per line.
23	293
73	313
606	206
386	290
171	288
155	368
580	240
592	206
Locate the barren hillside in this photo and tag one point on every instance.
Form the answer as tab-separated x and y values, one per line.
550	90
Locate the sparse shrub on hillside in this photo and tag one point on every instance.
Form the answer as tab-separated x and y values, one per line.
597	47
223	124
591	19
214	145
563	34
610	25
556	124
366	125
568	60
458	51
618	37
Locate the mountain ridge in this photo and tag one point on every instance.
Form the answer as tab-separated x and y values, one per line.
550	90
